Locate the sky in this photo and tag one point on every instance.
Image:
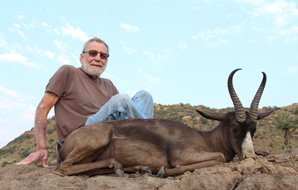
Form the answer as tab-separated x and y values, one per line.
179	51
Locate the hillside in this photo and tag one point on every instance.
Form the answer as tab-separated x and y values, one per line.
275	168
268	137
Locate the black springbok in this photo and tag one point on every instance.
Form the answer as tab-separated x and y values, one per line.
129	145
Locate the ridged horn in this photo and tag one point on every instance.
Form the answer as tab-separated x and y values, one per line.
239	110
213	116
253	112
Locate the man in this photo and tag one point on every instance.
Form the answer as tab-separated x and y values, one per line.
81	97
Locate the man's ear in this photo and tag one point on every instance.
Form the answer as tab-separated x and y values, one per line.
81	58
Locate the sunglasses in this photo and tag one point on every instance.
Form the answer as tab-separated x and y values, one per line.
93	53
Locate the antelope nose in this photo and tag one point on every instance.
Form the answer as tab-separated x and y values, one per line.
247	147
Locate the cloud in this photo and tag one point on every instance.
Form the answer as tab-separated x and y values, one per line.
28	113
49	54
276	20
11	94
8	104
155	58
22	27
24	122
127	49
2	41
60	45
63	60
45	24
8	92
183	46
254	2
150	78
130	28
291	31
37	51
15	105
277	8
292	69
17	58
282	11
218	36
74	32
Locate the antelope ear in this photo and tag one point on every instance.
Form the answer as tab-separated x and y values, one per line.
213	116
264	114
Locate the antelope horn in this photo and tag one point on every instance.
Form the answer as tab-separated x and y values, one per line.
253	112
239	110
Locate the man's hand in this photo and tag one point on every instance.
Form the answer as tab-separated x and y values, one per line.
43	108
41	155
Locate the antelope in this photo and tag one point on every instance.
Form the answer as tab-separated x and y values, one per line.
166	147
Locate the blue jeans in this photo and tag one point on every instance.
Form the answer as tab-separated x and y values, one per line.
121	107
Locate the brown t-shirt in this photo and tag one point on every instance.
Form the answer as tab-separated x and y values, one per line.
80	96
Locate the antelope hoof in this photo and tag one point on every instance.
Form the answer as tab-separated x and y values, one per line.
161	172
119	172
145	170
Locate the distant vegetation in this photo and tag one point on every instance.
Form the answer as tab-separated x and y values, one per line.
276	133
287	121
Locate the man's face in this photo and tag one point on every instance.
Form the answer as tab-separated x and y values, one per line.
94	59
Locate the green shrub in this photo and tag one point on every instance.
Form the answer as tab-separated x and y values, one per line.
7	150
24	152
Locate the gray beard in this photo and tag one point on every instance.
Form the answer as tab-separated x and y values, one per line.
91	72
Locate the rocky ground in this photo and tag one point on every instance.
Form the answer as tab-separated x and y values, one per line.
275	171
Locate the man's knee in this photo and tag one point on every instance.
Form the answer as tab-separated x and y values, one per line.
119	98
120	102
143	95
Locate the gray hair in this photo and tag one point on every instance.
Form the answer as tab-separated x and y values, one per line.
95	39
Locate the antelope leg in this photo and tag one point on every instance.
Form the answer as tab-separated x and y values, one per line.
213	159
80	168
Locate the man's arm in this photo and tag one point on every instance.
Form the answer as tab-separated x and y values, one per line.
43	108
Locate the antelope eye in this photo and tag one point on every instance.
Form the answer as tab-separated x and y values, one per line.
236	131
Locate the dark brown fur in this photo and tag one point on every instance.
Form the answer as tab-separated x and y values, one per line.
153	143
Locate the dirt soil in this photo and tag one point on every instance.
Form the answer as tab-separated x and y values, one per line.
278	171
